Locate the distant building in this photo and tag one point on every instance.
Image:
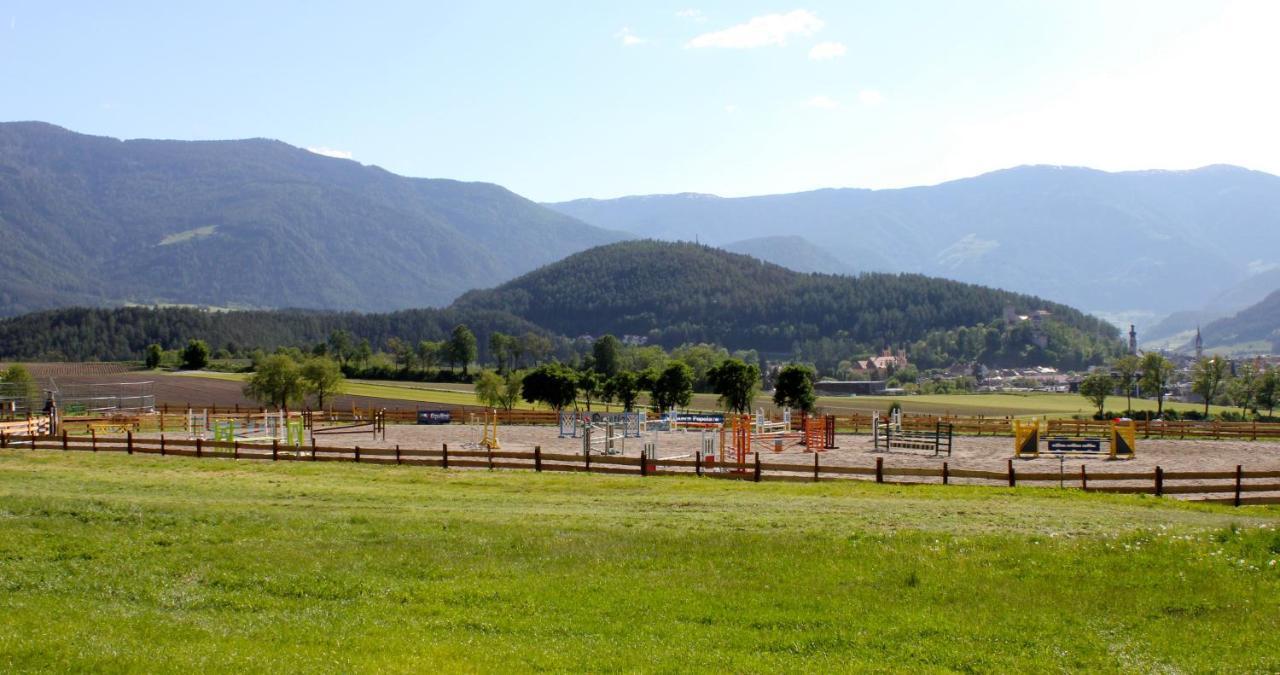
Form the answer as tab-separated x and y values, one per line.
1199	345
887	360
849	387
1133	340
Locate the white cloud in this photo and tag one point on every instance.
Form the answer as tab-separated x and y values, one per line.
330	152
761	31
823	103
629	39
870	97
692	15
825	51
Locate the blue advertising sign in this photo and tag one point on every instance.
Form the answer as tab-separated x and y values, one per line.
434	417
699	418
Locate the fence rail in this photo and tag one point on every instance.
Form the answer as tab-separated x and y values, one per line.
173	418
1242	487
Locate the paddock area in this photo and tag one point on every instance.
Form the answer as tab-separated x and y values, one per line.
985	453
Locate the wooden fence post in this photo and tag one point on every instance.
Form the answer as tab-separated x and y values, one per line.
4	440
879	469
946	474
275	449
1084	479
444	455
697	462
1239	477
397	453
586	460
128	440
489	456
1013	478
162	445
1159	482
313	448
537	460
757	474
235	449
64	440
199	447
357	453
93	439
815	467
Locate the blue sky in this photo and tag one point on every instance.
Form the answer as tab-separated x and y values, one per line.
563	100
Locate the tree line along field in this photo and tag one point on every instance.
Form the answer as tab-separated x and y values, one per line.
113	562
1014	404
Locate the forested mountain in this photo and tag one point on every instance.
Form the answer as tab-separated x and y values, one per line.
673	293
1259	323
254	223
123	333
668	293
1146	241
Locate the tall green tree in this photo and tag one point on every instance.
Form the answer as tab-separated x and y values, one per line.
1157	371
1207	378
673	387
462	347
20	382
321	377
736	384
1244	387
277	381
496	390
794	388
1126	369
589	385
1269	391
607	356
624	388
502	348
196	355
340	345
1097	387
553	384
428	354
155	354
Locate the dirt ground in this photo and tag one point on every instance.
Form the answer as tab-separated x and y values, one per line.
973	453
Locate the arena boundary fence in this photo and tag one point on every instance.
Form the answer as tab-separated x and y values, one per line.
166	417
1239	486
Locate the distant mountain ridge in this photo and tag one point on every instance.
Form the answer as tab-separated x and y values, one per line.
1257	324
792	252
1145	241
92	220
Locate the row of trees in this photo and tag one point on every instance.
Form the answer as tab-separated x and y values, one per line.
1212	378
284	379
559	386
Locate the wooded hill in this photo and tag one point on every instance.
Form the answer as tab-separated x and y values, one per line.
674	293
88	220
668	293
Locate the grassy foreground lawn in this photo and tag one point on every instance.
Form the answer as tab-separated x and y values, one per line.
171	564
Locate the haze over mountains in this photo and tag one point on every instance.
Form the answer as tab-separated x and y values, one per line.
1135	244
252	223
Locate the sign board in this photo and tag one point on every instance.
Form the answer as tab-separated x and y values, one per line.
434	417
1069	445
699	418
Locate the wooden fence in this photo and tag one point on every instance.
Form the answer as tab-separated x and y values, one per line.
1240	487
173	418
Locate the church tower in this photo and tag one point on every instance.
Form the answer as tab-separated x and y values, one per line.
1199	345
1133	341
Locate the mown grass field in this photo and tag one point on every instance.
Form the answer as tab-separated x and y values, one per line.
169	564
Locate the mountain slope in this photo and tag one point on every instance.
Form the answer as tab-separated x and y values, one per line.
675	293
792	252
253	223
1154	241
1259	323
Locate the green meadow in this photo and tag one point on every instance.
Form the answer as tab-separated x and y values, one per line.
114	563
